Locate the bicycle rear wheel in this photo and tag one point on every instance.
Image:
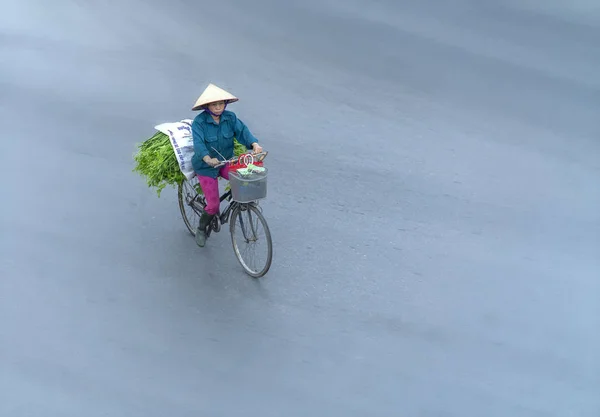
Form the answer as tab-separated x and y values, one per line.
245	225
190	204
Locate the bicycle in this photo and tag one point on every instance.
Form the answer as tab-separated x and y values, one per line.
189	196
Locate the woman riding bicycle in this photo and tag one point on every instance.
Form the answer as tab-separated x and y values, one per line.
213	131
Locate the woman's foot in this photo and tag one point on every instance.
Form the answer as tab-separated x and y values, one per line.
200	237
205	220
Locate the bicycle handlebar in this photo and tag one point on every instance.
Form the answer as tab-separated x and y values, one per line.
255	157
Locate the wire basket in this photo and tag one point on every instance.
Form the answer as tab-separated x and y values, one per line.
248	187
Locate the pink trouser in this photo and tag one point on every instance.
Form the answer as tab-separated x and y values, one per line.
210	187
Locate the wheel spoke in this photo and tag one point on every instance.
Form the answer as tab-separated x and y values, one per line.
252	228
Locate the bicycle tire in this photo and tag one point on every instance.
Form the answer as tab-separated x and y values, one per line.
232	228
182	205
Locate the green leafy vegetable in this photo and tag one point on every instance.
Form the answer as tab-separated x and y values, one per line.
155	160
238	148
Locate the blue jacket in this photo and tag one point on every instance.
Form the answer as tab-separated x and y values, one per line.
207	134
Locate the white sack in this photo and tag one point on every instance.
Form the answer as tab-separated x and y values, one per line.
180	134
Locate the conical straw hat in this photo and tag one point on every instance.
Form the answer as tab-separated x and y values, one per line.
211	94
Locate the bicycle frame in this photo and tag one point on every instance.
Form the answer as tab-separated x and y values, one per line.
223	218
199	202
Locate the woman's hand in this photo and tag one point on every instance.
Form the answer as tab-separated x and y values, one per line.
212	161
256	148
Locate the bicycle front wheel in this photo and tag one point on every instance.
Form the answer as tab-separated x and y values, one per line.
249	231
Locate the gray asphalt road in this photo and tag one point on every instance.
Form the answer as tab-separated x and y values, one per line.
434	201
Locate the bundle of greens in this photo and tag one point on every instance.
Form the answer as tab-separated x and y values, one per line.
157	163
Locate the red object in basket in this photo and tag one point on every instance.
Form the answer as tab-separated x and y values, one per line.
240	163
234	167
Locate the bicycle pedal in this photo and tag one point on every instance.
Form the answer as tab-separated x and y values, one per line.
216	224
